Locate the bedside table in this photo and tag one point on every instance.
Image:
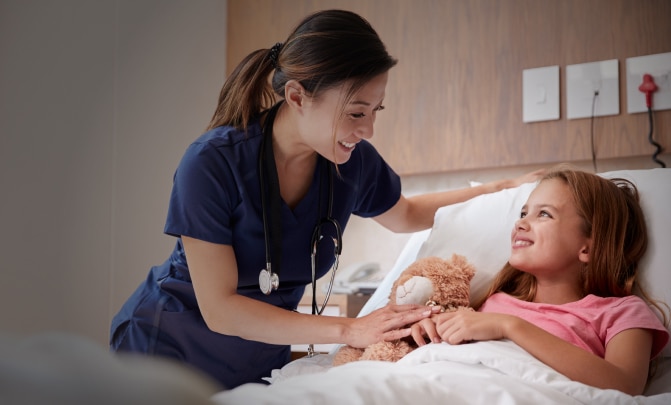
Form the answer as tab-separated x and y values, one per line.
355	302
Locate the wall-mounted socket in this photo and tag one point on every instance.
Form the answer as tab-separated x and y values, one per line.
659	66
540	94
584	80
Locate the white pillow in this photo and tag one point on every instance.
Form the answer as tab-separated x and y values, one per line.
480	230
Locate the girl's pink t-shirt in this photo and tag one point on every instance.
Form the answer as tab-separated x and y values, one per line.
589	323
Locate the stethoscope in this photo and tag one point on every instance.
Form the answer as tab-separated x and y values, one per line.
269	278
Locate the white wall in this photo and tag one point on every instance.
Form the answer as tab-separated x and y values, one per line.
98	100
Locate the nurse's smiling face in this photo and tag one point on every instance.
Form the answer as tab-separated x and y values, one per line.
335	135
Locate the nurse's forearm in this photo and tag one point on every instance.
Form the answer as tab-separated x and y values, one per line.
416	213
255	320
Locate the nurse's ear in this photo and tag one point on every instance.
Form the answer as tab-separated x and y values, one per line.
295	95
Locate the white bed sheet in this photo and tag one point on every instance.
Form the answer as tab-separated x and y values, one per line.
492	372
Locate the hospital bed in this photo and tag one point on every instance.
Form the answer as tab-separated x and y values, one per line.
494	372
64	369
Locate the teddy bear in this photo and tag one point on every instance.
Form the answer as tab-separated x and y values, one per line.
427	281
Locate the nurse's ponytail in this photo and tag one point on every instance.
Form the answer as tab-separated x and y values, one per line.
246	91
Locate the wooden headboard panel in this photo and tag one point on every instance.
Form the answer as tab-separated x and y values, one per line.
454	101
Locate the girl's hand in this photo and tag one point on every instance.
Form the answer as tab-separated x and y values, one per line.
387	323
465	326
426	328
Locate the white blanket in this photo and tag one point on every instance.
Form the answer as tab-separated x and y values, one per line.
493	372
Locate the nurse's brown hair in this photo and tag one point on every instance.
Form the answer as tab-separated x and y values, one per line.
327	49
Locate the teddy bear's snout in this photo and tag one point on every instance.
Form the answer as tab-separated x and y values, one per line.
417	290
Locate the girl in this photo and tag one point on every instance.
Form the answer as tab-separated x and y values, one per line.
566	294
270	183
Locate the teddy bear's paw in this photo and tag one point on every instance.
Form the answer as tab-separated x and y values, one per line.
347	354
387	351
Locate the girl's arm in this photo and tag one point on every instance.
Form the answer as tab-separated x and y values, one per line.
624	368
214	275
416	213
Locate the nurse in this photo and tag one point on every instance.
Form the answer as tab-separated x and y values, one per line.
259	201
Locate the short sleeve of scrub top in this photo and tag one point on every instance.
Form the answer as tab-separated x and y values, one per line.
204	193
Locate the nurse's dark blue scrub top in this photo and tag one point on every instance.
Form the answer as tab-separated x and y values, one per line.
216	198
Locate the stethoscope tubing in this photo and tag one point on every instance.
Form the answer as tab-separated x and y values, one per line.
269	277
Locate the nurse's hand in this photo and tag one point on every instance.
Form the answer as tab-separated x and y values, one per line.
530	177
387	323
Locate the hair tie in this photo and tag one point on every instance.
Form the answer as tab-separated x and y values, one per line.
274	54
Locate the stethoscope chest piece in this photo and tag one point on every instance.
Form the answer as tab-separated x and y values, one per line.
268	281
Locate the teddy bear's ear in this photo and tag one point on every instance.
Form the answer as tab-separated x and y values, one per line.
470	271
460	262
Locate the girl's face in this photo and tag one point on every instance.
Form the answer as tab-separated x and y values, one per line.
547	240
323	115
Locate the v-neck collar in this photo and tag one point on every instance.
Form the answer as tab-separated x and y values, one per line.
304	210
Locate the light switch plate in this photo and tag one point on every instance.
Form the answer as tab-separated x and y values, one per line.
540	94
659	66
583	80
